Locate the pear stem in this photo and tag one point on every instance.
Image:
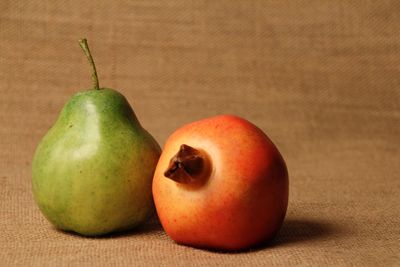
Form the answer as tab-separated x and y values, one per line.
85	47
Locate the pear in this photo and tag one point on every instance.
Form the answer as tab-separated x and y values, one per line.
92	172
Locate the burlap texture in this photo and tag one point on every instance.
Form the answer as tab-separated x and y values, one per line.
321	78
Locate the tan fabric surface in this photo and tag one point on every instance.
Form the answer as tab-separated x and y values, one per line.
321	78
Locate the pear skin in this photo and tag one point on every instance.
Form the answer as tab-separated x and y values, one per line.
92	172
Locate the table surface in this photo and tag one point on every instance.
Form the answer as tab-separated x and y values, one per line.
320	78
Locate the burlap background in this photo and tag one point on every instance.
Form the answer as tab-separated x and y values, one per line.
320	77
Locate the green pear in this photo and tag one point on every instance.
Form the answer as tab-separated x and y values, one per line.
92	172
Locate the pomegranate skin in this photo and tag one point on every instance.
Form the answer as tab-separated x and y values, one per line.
241	202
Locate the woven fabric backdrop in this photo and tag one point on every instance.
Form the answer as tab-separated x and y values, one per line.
321	78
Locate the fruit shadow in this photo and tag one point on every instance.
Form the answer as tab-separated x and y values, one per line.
304	230
295	230
153	225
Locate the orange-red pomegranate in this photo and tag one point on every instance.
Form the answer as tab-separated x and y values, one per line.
220	184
